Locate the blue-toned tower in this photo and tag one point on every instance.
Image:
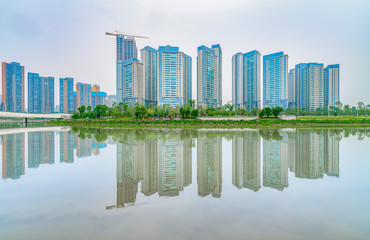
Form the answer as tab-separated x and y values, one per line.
40	94
83	95
132	82
209	71
126	49
174	83
66	101
13	87
149	58
309	85
246	80
331	81
275	80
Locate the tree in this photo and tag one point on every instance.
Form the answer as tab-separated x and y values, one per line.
194	113
82	109
276	111
99	111
75	115
192	103
268	111
262	113
140	112
255	111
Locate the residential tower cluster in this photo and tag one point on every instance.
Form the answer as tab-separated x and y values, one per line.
163	76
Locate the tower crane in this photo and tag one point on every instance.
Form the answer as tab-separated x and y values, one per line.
121	34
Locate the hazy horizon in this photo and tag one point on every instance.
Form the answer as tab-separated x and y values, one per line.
67	38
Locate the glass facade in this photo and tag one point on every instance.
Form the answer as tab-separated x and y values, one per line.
149	58
126	49
40	94
275	80
174	81
246	80
83	95
331	82
66	101
309	85
209	63
13	87
132	82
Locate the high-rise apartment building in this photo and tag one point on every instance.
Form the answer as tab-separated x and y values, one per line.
126	49
83	95
40	94
66	100
174	82
275	80
309	85
149	58
209	78
291	89
97	97
13	87
132	82
246	81
331	81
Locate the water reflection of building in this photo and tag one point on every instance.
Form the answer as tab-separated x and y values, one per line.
67	141
331	156
149	185
275	161
13	155
174	157
83	147
246	161
129	170
209	160
309	162
40	148
317	152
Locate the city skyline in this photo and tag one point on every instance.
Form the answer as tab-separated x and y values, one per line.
331	46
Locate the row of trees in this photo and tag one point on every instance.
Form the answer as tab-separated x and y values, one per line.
122	110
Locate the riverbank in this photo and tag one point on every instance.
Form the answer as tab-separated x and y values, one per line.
196	123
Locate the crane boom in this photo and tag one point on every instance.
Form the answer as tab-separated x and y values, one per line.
121	34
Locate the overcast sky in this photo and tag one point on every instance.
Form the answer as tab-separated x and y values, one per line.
65	38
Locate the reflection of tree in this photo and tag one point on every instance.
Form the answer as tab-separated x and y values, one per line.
268	134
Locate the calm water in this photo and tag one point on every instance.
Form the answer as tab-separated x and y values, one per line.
61	183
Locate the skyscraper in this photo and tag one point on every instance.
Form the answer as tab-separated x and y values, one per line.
275	80
246	80
40	94
132	82
83	95
331	81
126	49
13	87
209	78
309	85
66	95
174	76
149	58
291	89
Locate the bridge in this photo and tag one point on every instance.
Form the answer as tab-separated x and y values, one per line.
7	131
25	116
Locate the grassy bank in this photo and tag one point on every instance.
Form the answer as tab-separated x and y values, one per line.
195	123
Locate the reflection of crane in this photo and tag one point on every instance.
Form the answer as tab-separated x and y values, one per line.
121	34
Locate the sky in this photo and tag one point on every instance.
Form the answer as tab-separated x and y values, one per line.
66	38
